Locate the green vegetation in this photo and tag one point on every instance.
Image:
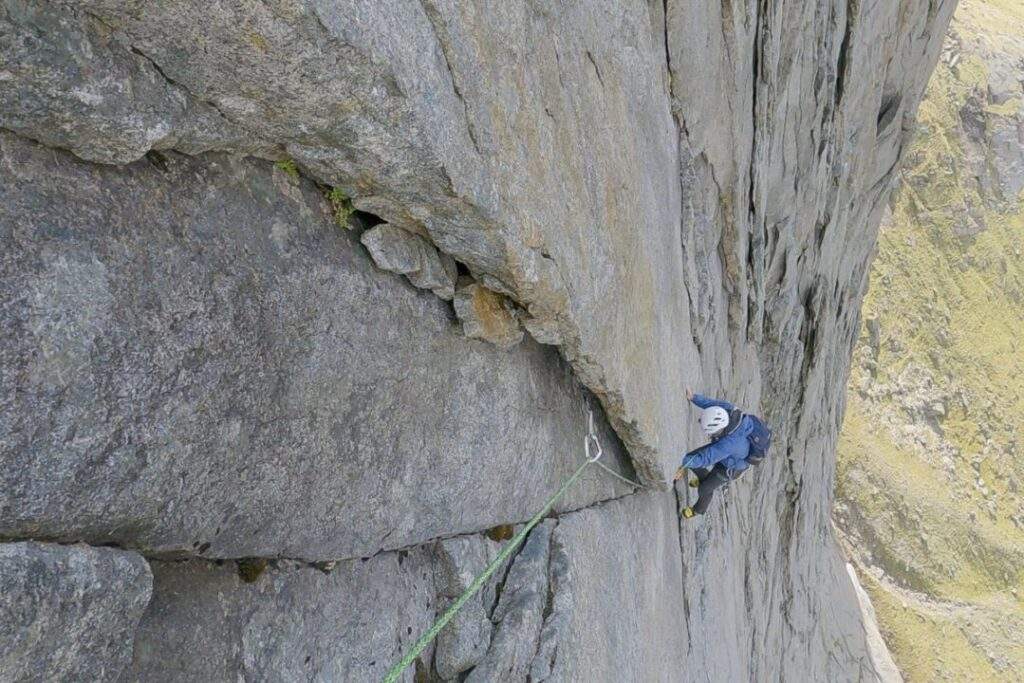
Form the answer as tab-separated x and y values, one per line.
502	532
251	568
289	167
931	469
926	646
341	206
1007	9
915	522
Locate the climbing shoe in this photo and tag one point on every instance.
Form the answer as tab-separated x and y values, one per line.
694	483
687	512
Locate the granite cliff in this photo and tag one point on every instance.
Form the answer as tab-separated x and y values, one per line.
302	301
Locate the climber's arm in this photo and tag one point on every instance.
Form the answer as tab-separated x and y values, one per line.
705	456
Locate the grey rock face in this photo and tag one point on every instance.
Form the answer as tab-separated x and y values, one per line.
884	666
993	123
793	118
618	612
464	642
293	623
68	81
557	194
69	612
550	621
519	614
598	119
399	251
198	360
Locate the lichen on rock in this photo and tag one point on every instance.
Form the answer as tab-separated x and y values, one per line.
487	315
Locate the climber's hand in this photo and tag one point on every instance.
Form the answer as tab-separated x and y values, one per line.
689	394
679	474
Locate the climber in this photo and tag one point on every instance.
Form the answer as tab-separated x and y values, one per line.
738	441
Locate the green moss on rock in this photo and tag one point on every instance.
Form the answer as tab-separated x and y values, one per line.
251	568
289	168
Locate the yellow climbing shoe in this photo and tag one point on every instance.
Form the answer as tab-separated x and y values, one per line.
687	512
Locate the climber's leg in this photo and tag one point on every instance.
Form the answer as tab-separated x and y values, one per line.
710	481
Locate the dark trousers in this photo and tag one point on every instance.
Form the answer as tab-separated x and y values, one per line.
710	481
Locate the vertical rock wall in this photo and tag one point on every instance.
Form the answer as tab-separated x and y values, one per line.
201	362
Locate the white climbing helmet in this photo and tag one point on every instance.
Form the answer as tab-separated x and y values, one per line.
713	420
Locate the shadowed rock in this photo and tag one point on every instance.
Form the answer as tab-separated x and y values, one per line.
294	623
198	360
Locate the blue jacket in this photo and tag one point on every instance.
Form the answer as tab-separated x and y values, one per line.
731	451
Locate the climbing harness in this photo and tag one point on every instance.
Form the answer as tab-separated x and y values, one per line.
592	456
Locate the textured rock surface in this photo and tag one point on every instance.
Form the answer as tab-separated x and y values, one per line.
881	659
674	193
547	616
620	560
198	359
293	622
464	642
402	252
69	612
519	613
487	315
557	194
782	198
391	101
67	81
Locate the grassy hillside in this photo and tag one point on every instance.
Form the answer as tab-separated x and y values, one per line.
931	470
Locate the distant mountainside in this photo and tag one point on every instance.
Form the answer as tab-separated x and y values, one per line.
931	464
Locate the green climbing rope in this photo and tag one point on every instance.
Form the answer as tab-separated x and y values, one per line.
506	552
478	583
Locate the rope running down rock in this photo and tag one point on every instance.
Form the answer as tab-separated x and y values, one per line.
590	443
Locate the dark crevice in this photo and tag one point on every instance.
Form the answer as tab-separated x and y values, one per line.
887	112
368	219
549	600
842	63
756	59
499	585
668	52
597	69
158	160
809	332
